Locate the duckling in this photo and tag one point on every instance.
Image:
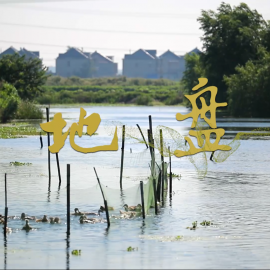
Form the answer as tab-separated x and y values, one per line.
57	220
44	219
137	208
128	214
51	220
78	213
27	227
23	217
2	220
102	209
83	219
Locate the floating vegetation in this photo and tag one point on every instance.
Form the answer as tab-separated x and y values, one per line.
174	175
194	226
76	252
17	131
17	163
178	237
129	249
206	223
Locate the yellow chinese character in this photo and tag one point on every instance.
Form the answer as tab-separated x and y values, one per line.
203	136
55	127
92	122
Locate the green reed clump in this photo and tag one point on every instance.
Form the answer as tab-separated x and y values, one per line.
28	110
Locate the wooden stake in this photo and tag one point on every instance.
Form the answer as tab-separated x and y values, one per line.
49	156
68	199
41	142
142	135
107	214
122	156
162	166
105	201
58	167
170	173
142	198
155	195
211	157
6	208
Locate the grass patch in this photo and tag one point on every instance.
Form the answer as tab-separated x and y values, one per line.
17	163
8	132
28	110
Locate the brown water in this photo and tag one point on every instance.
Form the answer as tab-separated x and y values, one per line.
234	195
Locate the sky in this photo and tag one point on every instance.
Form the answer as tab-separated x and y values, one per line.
111	27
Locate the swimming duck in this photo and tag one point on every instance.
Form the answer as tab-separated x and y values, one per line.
137	208
23	217
84	219
44	219
2	220
57	220
128	214
8	230
27	227
102	209
78	213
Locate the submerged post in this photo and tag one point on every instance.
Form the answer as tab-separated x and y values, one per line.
122	156
68	199
49	156
107	213
41	142
170	173
58	167
211	157
155	195
142	198
142	135
6	208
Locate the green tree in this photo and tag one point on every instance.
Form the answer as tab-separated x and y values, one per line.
249	88
27	76
8	102
193	71
231	37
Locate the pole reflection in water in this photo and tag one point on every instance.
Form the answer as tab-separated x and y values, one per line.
5	252
49	194
67	251
58	193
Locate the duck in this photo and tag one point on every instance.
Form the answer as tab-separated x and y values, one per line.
137	208
44	219
128	214
54	220
27	227
84	219
102	209
2	220
23	217
78	213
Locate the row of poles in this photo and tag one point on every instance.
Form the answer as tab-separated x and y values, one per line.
158	189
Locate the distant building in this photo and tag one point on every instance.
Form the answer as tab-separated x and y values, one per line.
104	66
75	62
146	64
22	52
141	64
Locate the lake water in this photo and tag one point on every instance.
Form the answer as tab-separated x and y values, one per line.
234	195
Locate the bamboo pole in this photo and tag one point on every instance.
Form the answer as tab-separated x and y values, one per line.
142	199
142	135
41	142
107	214
170	173
162	166
6	208
68	199
105	201
155	195
58	167
49	156
122	156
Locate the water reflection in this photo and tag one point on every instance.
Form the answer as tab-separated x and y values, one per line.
67	251
49	194
5	252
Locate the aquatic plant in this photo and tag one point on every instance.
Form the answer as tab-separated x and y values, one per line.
76	252
194	226
131	249
178	237
17	163
206	223
8	132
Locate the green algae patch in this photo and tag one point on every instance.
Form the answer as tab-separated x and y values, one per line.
76	252
18	131
17	163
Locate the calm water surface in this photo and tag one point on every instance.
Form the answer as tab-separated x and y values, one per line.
234	195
